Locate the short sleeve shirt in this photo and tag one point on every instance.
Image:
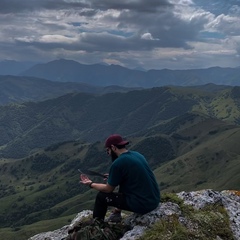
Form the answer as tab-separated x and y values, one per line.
131	172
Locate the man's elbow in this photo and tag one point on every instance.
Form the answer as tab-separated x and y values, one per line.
109	188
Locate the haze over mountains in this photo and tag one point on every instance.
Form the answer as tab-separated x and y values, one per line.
54	119
104	75
11	67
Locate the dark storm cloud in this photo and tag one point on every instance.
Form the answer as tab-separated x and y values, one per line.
133	5
158	18
15	6
158	21
166	28
157	29
90	42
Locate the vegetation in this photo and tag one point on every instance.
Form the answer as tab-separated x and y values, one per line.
189	136
29	126
211	222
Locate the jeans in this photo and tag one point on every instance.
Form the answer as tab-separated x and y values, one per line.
103	200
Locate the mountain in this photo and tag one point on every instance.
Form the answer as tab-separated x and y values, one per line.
41	191
104	75
96	74
28	126
189	135
16	89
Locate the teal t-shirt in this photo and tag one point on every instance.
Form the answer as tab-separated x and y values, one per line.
131	172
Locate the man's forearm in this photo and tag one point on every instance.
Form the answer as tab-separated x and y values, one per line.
102	187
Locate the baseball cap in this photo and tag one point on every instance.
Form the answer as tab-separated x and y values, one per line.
115	140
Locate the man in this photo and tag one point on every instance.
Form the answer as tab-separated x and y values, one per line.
138	189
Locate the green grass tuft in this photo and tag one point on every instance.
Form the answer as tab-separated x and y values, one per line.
210	223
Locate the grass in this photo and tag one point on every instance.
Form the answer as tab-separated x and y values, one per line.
77	203
166	229
209	223
213	164
27	231
206	161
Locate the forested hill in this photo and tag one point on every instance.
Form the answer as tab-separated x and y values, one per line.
28	126
189	135
15	89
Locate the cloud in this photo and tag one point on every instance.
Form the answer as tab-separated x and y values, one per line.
16	6
172	33
132	5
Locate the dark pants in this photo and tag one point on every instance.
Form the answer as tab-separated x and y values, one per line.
103	200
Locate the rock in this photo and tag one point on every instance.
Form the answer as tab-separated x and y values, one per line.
139	223
230	200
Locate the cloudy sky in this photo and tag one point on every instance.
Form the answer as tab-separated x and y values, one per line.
151	34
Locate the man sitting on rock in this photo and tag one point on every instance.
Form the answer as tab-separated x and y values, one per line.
138	189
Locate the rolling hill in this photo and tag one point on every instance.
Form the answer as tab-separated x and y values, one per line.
29	126
202	153
190	136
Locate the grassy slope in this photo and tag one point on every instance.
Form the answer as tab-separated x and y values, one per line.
212	164
206	157
30	230
28	127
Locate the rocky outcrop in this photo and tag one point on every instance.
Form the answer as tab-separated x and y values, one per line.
228	200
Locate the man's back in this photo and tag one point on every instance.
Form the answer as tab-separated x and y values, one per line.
136	181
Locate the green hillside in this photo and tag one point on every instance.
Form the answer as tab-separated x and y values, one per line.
29	126
210	161
45	185
16	89
189	143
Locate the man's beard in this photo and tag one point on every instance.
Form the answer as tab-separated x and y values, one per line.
114	156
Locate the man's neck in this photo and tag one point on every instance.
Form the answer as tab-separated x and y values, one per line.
121	151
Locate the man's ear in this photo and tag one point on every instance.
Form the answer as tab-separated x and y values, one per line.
113	147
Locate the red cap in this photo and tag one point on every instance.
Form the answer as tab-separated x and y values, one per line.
115	140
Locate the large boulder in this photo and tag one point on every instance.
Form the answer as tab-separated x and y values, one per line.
229	200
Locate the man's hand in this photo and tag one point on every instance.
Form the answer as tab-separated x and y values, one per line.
102	187
85	179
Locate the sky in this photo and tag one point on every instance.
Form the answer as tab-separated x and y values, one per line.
148	34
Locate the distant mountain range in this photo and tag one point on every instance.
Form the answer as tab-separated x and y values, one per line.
17	89
104	75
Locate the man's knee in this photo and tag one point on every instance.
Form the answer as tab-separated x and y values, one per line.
101	196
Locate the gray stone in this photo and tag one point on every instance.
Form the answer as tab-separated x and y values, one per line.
139	223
